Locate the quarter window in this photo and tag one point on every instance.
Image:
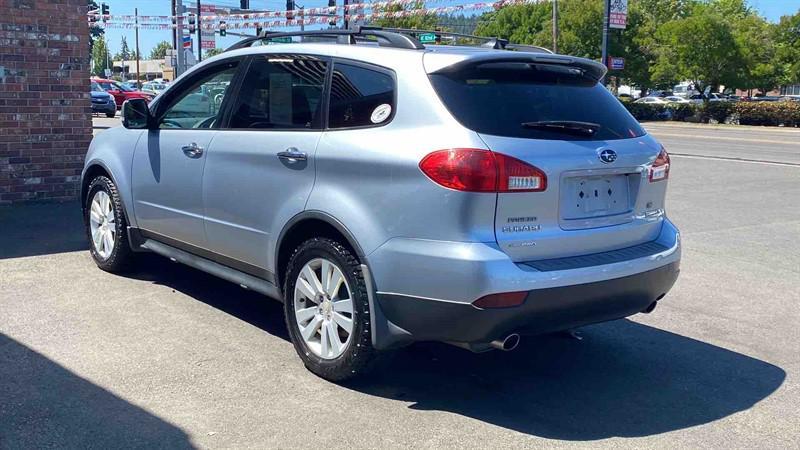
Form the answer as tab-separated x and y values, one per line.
281	92
200	105
360	97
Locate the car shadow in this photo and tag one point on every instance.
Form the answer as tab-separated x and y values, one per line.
623	379
44	405
41	229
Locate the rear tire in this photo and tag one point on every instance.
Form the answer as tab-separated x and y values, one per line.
107	226
328	309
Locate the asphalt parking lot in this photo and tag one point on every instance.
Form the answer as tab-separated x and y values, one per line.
170	357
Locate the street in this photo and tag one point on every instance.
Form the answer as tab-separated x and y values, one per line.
169	357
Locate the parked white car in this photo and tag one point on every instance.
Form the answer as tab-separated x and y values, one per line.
652	100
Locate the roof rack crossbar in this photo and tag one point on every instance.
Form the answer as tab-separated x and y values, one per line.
384	38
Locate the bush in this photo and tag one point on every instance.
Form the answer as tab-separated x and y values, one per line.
650	111
744	113
717	111
768	113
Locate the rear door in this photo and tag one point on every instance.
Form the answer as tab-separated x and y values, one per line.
595	156
260	168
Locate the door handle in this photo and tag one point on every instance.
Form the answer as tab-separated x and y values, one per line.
192	150
292	155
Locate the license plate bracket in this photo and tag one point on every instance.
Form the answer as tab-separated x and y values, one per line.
595	196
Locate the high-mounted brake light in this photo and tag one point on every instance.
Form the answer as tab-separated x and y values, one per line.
479	170
660	169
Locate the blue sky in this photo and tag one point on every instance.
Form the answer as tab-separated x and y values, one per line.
771	9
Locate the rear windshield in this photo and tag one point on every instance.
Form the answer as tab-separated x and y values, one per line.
499	98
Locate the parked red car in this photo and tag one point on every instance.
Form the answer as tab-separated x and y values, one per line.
120	92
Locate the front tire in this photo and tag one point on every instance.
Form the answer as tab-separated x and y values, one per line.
106	226
111	115
327	310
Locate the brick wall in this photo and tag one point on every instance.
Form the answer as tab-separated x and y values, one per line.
45	110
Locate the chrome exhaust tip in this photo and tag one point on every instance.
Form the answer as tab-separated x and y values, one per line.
509	343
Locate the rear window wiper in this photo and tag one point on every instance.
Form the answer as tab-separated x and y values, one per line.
566	126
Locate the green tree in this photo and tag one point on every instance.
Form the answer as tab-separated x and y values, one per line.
521	24
700	48
418	21
160	50
787	48
99	57
124	53
760	67
213	52
95	31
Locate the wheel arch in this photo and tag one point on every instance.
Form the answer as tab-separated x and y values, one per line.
94	169
304	226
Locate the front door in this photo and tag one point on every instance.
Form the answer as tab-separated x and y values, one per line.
169	160
260	168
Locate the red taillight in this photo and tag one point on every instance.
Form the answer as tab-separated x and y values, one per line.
478	170
502	300
660	169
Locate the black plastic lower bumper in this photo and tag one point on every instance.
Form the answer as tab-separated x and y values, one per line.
544	310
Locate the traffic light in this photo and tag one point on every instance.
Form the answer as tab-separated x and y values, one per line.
289	9
438	38
93	15
332	4
244	4
105	11
259	30
192	23
223	28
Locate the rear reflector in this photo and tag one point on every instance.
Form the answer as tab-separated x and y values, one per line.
660	169
479	170
502	300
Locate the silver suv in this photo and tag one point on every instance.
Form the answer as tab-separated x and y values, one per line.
387	192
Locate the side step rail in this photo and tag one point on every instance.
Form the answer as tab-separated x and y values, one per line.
226	273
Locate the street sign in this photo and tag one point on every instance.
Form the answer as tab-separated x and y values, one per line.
615	63
618	14
107	72
427	38
281	40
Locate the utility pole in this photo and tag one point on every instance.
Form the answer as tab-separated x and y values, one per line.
302	19
345	13
179	33
138	73
199	35
555	26
606	19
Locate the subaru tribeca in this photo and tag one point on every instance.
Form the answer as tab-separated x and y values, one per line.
388	193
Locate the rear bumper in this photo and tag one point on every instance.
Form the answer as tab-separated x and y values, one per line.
545	310
425	289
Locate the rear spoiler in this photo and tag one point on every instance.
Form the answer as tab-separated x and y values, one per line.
591	69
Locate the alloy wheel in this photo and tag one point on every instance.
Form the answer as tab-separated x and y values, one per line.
323	307
103	224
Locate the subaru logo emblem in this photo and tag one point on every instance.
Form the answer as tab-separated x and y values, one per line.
608	156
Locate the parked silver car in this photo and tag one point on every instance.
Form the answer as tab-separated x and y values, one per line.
389	192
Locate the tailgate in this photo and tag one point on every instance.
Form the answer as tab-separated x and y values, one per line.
588	207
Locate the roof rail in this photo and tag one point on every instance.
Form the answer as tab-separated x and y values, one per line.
387	37
384	38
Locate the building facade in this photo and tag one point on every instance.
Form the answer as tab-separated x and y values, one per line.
45	110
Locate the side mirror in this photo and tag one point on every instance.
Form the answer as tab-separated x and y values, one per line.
136	114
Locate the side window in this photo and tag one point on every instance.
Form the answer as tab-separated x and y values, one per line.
360	97
281	92
198	106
